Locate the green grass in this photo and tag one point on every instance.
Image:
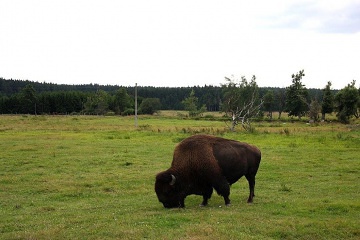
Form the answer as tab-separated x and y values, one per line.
86	177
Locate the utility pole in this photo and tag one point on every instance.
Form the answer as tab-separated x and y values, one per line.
136	117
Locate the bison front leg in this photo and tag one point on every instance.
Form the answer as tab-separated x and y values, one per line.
182	203
206	196
223	189
251	180
227	200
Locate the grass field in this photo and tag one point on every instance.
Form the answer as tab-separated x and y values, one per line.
88	177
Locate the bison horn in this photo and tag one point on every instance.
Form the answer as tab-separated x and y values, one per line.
173	180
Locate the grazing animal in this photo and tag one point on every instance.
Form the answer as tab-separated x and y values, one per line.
201	163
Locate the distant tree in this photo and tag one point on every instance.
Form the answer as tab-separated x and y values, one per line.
3	101
191	105
241	102
150	106
347	100
97	103
44	105
28	99
60	98
327	105
210	96
269	102
314	110
357	114
122	101
296	96
280	99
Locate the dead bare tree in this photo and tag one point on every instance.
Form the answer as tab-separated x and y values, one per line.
242	102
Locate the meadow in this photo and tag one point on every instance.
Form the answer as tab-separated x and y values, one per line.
92	177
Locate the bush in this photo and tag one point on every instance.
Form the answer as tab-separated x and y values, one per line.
110	113
128	111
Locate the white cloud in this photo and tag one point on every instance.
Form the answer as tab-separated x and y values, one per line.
181	43
320	16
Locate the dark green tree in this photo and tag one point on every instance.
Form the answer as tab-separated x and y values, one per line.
346	101
28	99
191	105
122	101
150	106
269	103
241	101
97	103
44	106
280	99
357	114
210	96
327	105
3	108
296	96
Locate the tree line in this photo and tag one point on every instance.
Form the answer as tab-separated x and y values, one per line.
27	97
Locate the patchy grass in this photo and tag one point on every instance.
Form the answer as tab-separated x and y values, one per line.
86	177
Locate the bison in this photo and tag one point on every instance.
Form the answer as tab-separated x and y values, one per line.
201	163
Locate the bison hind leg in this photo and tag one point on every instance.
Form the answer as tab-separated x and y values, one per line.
206	195
251	180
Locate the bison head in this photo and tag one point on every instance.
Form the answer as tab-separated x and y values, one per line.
166	190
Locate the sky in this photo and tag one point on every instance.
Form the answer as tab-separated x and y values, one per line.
165	43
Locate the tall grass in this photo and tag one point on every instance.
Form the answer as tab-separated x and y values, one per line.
84	177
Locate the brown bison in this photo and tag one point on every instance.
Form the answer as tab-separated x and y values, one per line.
201	163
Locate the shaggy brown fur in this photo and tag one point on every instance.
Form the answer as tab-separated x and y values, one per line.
201	163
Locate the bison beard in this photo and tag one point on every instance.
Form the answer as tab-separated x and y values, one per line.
201	163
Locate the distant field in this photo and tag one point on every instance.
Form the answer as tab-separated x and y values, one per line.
88	177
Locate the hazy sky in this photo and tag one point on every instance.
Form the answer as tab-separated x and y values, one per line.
180	43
